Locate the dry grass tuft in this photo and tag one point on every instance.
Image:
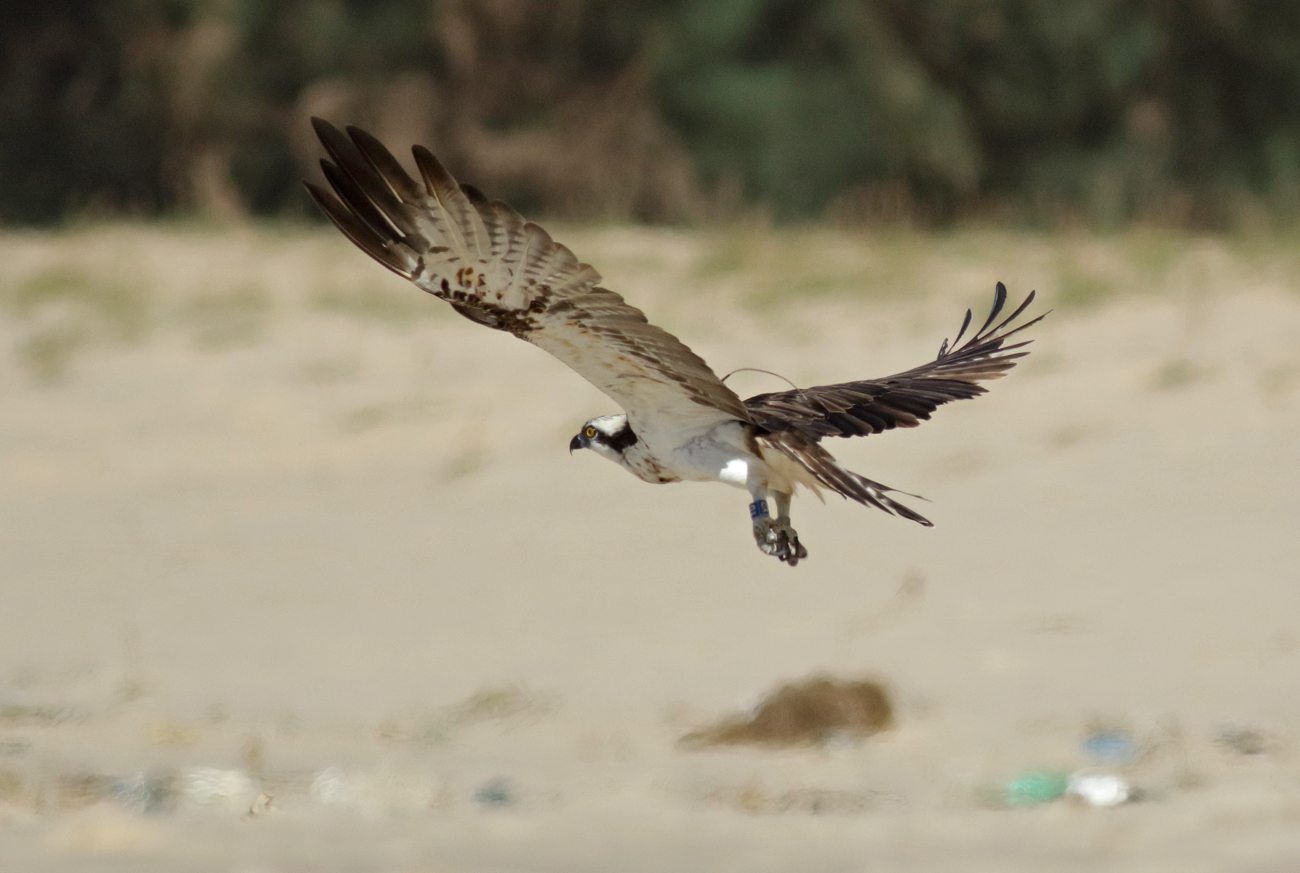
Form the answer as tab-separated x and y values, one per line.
66	309
811	712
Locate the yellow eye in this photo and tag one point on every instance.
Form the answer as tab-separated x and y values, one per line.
589	432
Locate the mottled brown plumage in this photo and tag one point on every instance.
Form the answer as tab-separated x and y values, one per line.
501	271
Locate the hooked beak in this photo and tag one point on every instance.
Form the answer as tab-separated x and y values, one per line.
578	442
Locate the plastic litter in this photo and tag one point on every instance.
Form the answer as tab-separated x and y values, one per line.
216	786
1100	789
1035	787
1110	747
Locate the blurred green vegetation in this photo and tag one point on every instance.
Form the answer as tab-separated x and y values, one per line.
1097	112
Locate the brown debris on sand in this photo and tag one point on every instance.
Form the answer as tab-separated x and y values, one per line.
809	712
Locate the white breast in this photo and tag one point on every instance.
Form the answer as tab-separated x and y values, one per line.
719	454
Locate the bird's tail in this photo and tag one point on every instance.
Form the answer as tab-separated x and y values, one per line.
825	469
878	496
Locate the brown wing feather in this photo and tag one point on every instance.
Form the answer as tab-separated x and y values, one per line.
905	399
501	271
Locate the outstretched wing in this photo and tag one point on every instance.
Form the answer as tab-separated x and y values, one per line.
904	399
501	271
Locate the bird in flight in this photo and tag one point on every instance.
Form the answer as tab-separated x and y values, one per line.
679	422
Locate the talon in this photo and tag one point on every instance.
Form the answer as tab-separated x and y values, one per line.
775	537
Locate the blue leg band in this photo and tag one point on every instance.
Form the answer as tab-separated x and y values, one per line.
758	509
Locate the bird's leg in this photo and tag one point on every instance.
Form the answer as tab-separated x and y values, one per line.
797	551
764	527
774	535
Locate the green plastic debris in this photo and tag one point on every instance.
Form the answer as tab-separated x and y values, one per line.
1035	787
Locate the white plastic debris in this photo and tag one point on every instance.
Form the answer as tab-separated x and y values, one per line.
215	786
1099	789
375	793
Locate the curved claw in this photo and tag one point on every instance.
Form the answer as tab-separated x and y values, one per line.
778	539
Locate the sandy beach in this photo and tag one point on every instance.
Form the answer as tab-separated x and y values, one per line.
297	574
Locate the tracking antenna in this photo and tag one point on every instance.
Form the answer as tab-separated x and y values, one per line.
760	370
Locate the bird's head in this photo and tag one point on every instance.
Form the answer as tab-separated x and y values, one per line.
608	436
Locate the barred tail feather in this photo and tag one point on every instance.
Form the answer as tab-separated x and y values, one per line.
881	500
825	469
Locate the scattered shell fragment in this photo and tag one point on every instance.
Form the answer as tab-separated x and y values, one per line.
260	806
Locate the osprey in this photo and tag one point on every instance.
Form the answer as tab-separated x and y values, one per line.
679	421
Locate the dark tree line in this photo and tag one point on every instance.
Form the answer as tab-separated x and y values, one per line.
1097	111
